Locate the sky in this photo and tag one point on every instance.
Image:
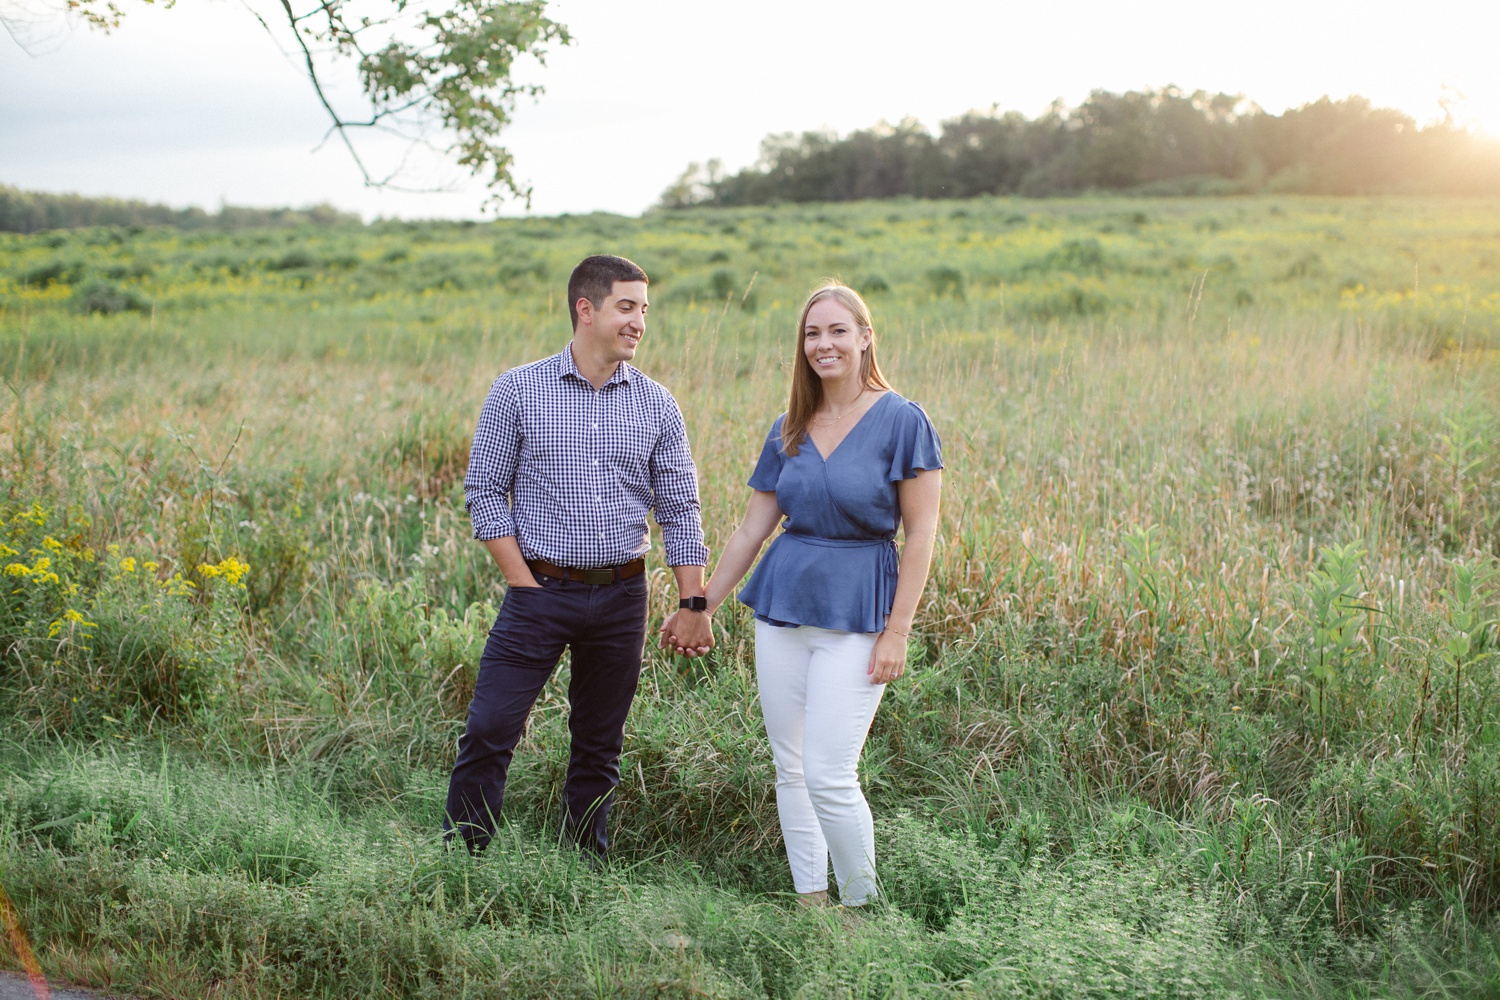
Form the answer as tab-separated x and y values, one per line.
199	105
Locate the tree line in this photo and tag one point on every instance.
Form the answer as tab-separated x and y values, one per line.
1165	141
34	211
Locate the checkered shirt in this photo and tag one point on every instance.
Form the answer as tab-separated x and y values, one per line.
571	471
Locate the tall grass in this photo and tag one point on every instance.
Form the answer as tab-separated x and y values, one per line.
1205	689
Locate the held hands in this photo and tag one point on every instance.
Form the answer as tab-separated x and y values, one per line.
888	658
688	633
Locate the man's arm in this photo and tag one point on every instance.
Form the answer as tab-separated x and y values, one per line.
761	517
691	633
491	477
506	552
674	488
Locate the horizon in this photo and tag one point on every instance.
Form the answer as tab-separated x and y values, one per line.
1251	107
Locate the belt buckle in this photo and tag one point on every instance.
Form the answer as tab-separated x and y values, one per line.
598	577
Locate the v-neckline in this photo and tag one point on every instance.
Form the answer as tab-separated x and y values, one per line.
848	434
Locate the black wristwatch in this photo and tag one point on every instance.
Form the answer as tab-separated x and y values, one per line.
699	603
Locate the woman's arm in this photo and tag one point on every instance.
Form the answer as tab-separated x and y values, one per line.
761	517
918	498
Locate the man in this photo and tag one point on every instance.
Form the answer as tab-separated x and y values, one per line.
569	455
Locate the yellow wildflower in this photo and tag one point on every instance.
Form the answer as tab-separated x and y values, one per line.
127	565
70	616
36	515
177	586
18	569
230	569
48	542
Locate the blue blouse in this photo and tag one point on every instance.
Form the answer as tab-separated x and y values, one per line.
834	564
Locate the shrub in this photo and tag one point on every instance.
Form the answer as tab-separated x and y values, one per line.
92	644
1078	297
160	647
54	271
402	650
723	283
1422	823
107	298
945	280
930	874
1084	256
522	266
1308	265
281	550
297	258
39	581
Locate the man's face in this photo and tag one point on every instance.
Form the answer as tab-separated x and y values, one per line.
613	331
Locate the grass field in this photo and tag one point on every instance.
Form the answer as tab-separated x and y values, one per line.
1205	689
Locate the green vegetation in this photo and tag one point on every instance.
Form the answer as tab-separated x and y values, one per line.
1205	688
34	211
1158	142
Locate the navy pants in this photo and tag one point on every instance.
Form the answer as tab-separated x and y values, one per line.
605	627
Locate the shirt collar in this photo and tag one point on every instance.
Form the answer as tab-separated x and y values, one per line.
566	366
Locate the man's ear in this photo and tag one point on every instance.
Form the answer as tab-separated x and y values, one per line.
585	310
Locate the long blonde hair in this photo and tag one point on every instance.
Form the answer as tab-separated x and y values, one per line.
807	387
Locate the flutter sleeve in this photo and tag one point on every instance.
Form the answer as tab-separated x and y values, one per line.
917	444
768	470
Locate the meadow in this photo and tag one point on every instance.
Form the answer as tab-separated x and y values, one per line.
1204	688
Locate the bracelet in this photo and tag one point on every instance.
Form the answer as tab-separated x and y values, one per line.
897	631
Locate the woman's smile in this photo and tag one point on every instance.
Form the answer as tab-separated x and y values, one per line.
832	340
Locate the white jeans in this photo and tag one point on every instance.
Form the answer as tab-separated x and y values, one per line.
816	695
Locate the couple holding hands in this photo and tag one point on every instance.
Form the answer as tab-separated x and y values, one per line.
570	454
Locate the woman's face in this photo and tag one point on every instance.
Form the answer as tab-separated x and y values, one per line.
833	341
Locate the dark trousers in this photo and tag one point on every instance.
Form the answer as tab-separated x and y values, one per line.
605	627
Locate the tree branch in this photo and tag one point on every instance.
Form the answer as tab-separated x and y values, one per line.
439	70
312	75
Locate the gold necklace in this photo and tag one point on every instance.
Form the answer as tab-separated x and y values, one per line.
850	409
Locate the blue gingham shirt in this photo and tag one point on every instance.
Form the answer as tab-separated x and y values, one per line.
571	471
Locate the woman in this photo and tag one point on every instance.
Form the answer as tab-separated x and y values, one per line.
848	462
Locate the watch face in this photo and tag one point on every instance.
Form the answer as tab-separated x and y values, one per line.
694	603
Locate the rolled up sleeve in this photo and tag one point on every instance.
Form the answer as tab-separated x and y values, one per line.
492	463
674	485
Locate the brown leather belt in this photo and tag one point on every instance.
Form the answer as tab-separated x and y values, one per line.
609	574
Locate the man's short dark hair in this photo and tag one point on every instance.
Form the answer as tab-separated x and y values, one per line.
594	278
